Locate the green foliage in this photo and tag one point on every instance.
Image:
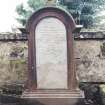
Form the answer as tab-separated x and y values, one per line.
87	10
83	11
20	9
25	13
35	4
86	20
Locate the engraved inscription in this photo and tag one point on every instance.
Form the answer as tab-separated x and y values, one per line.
51	54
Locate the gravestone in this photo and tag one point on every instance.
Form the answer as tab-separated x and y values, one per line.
51	54
51	66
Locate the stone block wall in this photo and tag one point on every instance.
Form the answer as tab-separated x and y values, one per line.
89	57
13	62
90	60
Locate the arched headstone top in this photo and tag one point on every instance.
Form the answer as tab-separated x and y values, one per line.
56	12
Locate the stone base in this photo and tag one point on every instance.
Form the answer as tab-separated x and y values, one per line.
53	97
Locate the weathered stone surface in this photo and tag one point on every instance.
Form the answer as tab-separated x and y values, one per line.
90	62
13	61
13	37
89	54
51	54
83	35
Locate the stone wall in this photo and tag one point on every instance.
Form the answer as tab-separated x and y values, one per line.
90	60
89	56
13	62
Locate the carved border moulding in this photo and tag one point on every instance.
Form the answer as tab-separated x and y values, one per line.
48	96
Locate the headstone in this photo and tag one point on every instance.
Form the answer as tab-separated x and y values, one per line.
52	79
51	54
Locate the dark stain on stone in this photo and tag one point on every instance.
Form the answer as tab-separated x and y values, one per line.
86	61
103	49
